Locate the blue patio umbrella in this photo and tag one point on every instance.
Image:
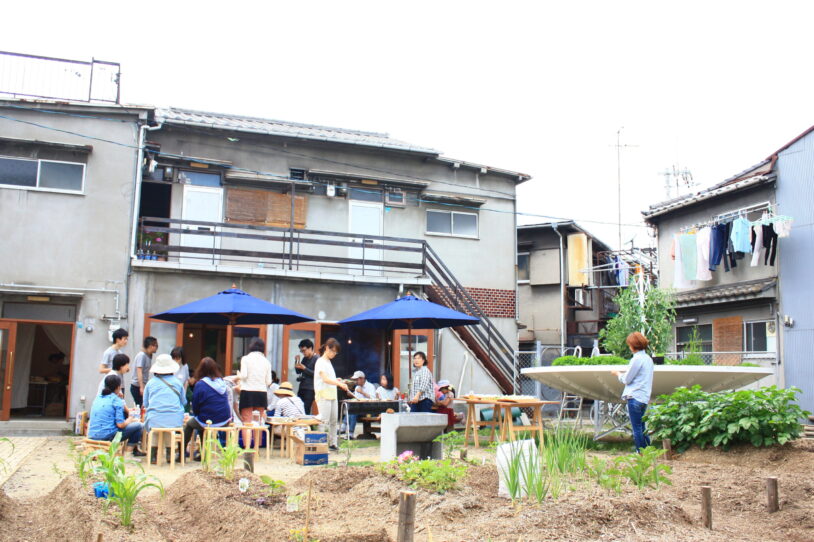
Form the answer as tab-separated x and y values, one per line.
410	312
231	307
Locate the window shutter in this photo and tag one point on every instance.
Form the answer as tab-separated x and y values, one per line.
727	336
264	207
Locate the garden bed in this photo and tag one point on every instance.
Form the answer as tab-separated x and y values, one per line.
361	504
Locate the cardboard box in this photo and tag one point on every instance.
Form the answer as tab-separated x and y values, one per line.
315	437
310	453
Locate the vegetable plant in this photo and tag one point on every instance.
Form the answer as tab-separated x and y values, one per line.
654	319
124	489
596	360
643	468
451	442
436	475
274	486
513	471
226	458
564	450
606	473
762	417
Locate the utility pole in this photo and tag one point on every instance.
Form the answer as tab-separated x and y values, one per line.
619	181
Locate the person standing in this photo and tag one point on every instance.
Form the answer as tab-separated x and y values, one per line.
325	384
121	366
638	381
422	387
120	337
255	379
305	372
141	368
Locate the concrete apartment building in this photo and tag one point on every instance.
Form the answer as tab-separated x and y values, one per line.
763	313
209	202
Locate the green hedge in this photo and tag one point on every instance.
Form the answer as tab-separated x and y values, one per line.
761	417
692	359
596	360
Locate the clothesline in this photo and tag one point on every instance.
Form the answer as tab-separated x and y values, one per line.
726	216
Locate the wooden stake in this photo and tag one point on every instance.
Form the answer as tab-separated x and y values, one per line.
308	510
248	461
406	528
771	493
668	447
99	538
706	506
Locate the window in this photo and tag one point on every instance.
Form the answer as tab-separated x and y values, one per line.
366	194
394	197
199	179
296	174
452	223
264	207
760	337
523	267
684	334
44	174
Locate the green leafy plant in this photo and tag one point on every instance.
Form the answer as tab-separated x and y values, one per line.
654	319
299	535
692	359
606	473
564	450
512	471
748	364
435	475
451	442
81	463
109	463
349	446
226	458
274	486
126	487
596	360
762	417
692	351
643	468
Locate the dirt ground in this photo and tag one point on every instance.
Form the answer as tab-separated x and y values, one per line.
42	502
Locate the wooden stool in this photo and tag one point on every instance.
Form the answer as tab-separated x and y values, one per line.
89	445
213	432
156	438
257	432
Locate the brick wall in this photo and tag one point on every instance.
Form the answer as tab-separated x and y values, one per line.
495	303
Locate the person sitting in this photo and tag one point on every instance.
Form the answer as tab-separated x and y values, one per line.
364	390
121	366
443	403
386	390
211	400
270	397
109	416
164	397
288	404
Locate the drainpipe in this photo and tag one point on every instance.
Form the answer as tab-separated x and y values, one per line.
562	291
137	178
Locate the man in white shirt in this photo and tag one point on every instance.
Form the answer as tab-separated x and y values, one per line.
121	366
120	337
364	390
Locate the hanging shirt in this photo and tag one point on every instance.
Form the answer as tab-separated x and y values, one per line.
679	280
689	255
769	243
757	244
702	242
782	228
741	237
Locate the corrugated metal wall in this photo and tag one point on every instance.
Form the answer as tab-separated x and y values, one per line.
795	197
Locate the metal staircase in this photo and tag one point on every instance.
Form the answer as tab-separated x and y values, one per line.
485	341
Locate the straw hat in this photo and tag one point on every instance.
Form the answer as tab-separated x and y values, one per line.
285	389
164	365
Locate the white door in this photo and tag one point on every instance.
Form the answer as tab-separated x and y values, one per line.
205	204
366	218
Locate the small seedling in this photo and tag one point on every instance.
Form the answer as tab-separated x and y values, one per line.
274	486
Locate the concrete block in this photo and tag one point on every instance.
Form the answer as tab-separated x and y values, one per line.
411	431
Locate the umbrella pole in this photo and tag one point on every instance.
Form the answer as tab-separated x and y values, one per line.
410	357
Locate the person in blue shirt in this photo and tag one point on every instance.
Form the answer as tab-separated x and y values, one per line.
638	381
164	396
211	401
109	416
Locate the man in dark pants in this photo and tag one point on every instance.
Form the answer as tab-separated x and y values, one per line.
305	373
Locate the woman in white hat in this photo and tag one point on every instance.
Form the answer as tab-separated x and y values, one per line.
444	401
164	396
288	404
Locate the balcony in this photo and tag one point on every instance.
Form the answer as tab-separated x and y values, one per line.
171	244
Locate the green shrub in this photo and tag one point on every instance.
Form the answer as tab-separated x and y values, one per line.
436	475
761	417
748	364
596	360
692	359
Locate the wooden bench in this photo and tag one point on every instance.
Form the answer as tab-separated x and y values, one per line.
88	445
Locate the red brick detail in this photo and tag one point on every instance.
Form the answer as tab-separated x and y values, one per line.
493	302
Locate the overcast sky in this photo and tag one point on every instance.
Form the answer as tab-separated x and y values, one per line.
536	87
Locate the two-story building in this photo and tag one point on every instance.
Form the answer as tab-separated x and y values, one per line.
760	309
175	205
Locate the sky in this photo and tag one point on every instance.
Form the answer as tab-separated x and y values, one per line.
537	87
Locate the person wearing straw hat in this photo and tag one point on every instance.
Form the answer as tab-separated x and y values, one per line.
164	396
288	404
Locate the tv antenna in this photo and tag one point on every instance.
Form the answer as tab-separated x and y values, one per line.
678	177
619	146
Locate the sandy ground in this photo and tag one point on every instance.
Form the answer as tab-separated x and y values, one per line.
43	502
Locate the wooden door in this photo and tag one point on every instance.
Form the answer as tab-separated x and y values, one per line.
423	340
8	331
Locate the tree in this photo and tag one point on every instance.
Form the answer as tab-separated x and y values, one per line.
655	320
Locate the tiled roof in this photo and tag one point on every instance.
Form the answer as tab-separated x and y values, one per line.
240	123
726	293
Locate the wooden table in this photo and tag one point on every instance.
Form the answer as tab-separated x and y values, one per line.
508	429
285	433
472	421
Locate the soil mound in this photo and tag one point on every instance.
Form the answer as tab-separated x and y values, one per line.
795	456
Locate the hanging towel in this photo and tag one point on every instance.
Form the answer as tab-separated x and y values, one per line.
679	280
689	255
702	242
731	257
769	243
757	244
782	228
741	240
